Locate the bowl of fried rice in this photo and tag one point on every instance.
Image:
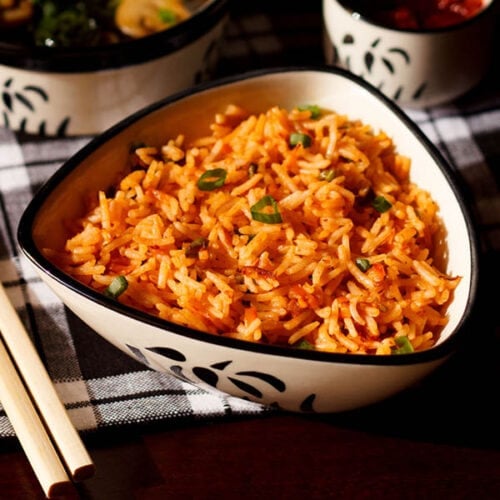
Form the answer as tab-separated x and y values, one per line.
287	236
76	68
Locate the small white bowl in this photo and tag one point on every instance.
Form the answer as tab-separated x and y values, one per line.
415	68
293	379
83	91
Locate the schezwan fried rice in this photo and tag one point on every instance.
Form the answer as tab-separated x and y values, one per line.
292	227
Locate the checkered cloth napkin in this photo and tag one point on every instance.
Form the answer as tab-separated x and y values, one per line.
103	388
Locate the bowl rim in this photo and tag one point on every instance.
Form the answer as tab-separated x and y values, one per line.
443	349
486	10
116	55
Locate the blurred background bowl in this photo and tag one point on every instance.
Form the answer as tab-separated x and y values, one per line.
82	90
293	379
415	61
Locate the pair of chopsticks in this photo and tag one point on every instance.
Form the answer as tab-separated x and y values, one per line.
42	425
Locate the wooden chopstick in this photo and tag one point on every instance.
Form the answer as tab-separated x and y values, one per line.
45	398
30	429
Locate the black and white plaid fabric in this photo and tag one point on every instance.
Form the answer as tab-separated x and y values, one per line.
103	388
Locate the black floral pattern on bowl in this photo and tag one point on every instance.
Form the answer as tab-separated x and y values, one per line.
247	381
24	101
392	59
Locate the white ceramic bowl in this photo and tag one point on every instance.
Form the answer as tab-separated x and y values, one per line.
81	91
293	379
415	68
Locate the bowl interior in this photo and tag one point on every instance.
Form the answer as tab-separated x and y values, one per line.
104	160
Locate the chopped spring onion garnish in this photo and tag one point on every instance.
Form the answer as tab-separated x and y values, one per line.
380	204
304	344
315	110
327	175
212	179
167	16
300	138
404	346
363	264
266	210
116	287
195	246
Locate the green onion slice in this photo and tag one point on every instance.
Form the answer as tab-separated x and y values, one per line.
327	175
304	344
212	179
195	246
300	138
167	16
404	346
380	204
266	210
313	108
363	264
116	287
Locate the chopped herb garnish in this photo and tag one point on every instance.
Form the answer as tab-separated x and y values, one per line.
300	138
212	179
167	16
195	246
363	264
315	110
116	287
304	344
327	175
380	204
266	210
404	346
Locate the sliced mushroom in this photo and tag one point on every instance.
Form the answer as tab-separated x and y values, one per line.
139	18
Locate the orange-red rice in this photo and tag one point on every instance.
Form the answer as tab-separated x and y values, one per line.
281	282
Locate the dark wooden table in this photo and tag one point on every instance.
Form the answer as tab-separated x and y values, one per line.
437	440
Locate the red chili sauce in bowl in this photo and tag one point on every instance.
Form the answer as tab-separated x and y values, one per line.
416	14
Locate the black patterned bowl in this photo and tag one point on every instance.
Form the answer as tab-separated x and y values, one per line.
415	65
294	379
82	91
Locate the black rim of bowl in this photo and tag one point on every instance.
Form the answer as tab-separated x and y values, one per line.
30	250
75	60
